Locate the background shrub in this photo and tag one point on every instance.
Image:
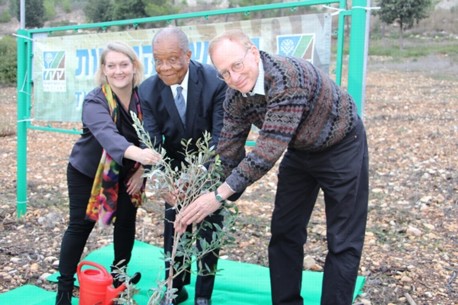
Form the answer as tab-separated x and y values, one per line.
5	16
8	59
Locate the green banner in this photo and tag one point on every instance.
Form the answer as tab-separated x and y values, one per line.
64	66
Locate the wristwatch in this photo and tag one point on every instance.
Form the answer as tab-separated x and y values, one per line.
218	197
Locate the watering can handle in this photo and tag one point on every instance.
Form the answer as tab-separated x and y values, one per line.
95	265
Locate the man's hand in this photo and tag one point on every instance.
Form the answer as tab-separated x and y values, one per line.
195	212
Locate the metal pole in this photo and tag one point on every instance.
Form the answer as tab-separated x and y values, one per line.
22	14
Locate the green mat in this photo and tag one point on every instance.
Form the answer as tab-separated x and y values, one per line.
237	283
28	295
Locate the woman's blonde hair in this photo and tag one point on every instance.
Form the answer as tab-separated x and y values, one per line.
120	47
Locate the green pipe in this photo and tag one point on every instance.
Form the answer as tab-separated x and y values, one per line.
340	46
54	129
22	119
358	53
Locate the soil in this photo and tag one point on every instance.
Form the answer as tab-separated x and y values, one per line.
410	254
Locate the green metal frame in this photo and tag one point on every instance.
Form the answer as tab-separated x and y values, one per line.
356	65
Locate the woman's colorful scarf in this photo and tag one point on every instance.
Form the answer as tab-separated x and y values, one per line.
104	195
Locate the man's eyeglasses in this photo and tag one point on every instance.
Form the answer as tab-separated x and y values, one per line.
171	61
237	67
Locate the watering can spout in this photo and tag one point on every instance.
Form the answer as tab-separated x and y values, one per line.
113	293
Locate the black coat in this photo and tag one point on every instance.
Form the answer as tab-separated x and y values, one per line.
204	110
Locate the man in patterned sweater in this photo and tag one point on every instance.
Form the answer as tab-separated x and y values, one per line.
305	117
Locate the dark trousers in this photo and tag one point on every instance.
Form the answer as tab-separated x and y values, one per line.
78	230
204	282
342	173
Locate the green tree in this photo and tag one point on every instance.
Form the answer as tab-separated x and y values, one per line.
405	13
99	10
49	9
160	8
129	9
14	8
66	5
34	13
261	14
5	16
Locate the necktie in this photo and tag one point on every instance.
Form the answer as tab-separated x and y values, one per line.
181	105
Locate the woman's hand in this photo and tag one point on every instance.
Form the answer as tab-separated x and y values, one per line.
145	156
170	198
174	197
149	157
135	182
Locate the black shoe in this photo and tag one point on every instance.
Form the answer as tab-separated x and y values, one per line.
118	281
64	298
182	295
203	301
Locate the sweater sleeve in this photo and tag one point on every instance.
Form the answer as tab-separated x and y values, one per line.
281	119
231	142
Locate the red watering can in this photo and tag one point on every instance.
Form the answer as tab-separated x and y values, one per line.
96	284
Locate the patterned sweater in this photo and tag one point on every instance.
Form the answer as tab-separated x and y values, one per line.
303	109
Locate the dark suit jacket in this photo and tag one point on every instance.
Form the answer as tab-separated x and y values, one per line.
204	110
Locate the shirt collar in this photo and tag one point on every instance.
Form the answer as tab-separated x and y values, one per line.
259	85
184	85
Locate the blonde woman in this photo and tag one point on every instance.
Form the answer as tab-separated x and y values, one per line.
109	141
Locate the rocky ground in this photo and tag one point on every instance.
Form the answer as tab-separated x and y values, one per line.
410	255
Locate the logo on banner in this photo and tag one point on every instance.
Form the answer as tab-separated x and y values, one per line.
299	45
54	71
